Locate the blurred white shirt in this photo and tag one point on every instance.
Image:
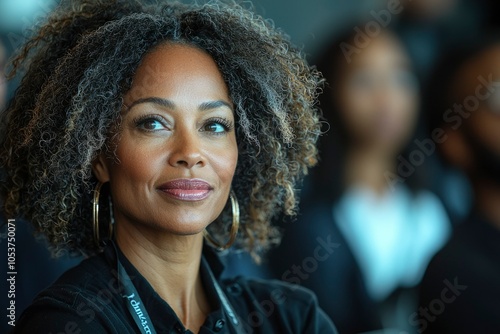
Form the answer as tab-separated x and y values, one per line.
393	236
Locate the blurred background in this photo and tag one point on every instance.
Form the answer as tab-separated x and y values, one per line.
399	176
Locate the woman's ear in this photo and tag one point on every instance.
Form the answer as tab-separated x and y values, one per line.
100	168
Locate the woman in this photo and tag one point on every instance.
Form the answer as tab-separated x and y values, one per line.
386	230
467	269
138	130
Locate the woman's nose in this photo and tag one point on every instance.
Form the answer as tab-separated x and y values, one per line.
186	149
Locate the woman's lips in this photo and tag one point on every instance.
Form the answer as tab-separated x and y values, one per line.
187	189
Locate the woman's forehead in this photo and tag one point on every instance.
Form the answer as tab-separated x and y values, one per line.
172	69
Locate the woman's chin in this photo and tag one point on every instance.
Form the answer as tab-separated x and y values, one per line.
181	229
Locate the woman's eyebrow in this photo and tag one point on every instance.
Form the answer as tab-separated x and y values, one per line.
155	100
205	106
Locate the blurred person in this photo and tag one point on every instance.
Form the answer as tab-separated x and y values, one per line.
143	136
379	230
460	291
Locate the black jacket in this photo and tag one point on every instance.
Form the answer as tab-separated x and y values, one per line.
325	264
460	292
88	299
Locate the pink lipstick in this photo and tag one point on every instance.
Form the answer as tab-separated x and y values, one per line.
187	189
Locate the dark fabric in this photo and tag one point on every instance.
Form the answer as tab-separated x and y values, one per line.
87	299
460	292
314	254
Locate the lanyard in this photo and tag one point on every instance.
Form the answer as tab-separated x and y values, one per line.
136	307
134	303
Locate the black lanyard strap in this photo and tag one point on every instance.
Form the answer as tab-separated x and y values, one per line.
135	305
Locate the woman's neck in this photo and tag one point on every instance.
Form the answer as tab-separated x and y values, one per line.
171	264
368	168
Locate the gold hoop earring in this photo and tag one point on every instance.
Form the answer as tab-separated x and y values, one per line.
95	215
234	226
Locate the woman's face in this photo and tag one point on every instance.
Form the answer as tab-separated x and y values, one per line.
176	150
378	95
484	119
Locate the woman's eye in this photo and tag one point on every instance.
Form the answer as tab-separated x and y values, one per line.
215	127
150	124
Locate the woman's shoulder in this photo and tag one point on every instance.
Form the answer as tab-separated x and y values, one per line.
277	305
274	290
90	276
83	299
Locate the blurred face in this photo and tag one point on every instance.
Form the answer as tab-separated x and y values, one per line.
377	95
177	149
483	125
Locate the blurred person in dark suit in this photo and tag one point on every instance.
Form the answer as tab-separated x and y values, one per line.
369	232
460	291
